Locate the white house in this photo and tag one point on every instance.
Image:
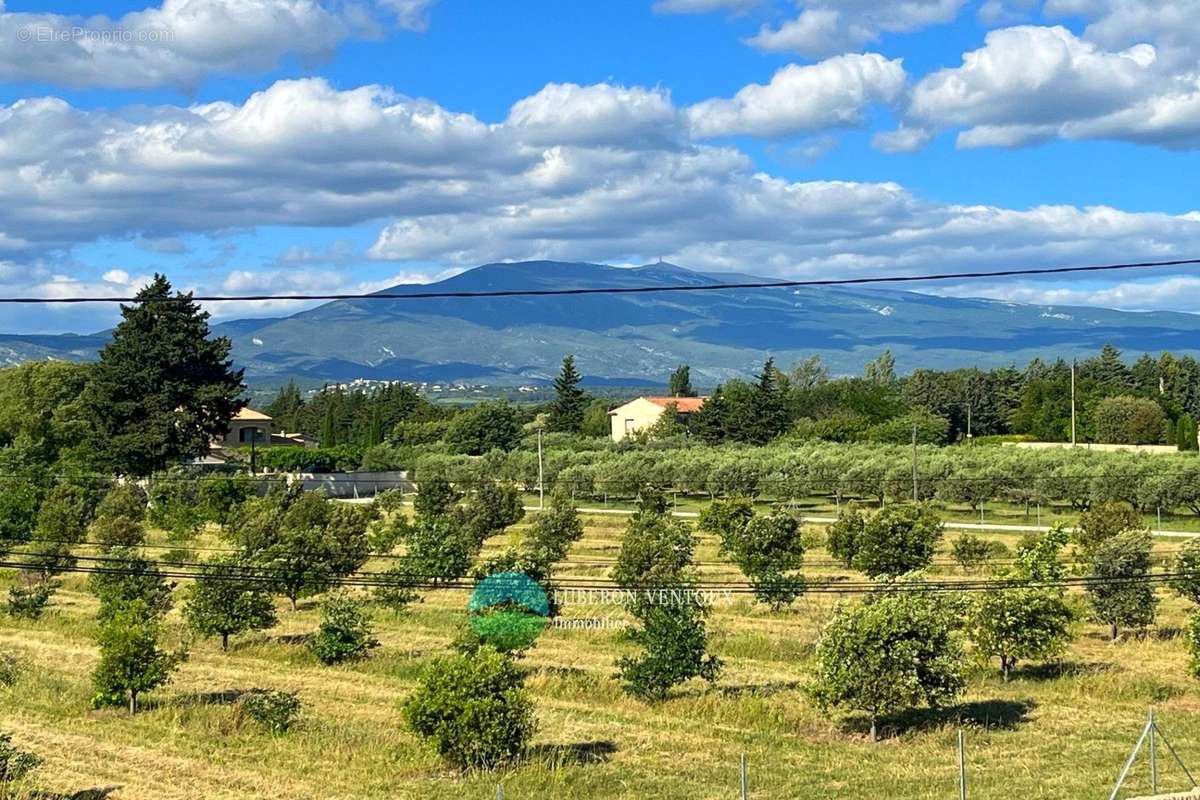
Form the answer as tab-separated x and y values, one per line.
642	413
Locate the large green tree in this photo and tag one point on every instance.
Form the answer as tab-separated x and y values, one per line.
163	388
566	410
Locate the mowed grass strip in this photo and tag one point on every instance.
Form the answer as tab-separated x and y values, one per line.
1052	732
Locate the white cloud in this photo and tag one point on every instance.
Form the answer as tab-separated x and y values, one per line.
412	15
447	189
828	27
1030	84
1171	293
832	93
183	41
566	113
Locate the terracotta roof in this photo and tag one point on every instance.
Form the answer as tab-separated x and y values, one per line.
686	405
249	414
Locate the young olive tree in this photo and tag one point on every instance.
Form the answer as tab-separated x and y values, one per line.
473	708
1120	594
345	631
131	659
227	598
655	566
1013	624
895	540
894	652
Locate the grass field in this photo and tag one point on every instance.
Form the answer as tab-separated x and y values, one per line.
1059	731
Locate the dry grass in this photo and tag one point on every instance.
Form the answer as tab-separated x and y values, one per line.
1049	733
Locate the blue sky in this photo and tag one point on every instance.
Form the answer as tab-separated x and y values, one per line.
301	145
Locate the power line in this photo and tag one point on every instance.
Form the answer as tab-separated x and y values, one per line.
712	287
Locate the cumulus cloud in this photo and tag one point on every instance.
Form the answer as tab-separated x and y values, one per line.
832	93
448	189
182	41
828	27
1029	84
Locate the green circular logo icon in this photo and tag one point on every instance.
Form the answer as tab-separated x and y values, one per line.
508	611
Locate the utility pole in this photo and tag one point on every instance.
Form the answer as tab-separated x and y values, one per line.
914	461
1072	402
968	420
541	483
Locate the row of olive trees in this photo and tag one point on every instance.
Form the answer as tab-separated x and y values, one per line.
963	475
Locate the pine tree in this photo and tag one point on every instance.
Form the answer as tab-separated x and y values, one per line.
772	405
286	407
709	421
566	411
680	384
162	389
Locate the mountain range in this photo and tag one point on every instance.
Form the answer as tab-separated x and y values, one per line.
638	338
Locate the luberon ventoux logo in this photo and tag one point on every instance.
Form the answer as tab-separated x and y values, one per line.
508	610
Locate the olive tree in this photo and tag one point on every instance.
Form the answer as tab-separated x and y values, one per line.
131	659
891	653
1120	594
768	549
227	598
1186	571
895	540
473	708
1013	624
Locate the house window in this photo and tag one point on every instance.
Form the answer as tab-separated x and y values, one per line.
250	435
629	426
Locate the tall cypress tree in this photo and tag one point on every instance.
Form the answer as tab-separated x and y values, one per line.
772	405
566	411
680	384
163	389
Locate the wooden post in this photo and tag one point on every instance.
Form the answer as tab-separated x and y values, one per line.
745	779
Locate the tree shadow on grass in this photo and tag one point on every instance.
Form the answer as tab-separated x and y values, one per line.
291	638
1063	669
759	689
224	697
987	714
98	793
573	755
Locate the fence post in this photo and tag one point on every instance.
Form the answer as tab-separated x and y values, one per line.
745	779
962	768
1153	754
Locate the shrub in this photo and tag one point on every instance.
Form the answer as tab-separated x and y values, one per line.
10	669
474	709
970	551
483	428
390	500
123	500
1193	643
29	602
1102	521
1129	420
1186	581
895	540
275	711
345	632
844	533
118	531
15	764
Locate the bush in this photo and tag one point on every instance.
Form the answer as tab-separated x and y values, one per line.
118	531
390	500
345	632
1186	581
1129	420
1193	643
275	711
1102	521
28	602
123	500
474	709
10	669
483	428
970	551
15	764
895	540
